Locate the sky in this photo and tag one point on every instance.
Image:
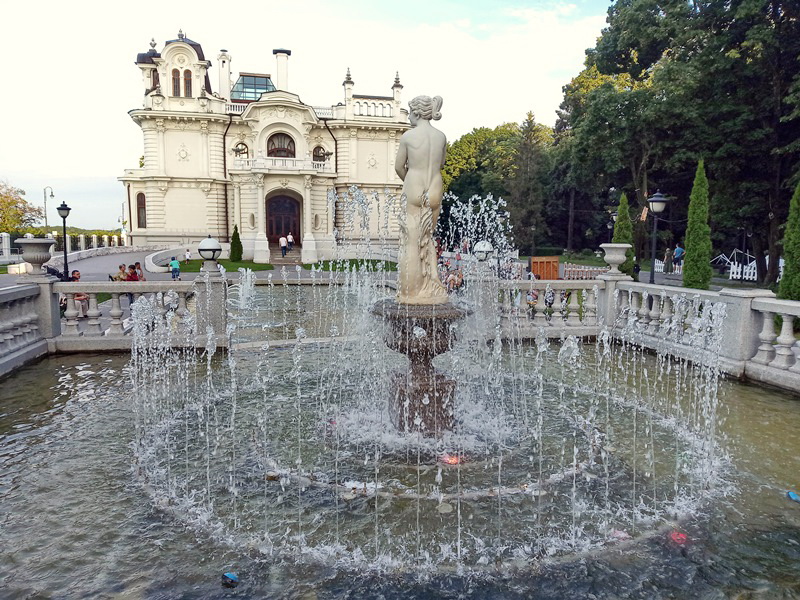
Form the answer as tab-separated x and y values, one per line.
70	78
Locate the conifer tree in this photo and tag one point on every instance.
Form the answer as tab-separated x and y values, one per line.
623	234
236	246
697	265
790	282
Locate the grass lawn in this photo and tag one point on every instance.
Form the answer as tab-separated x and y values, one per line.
345	265
194	266
3	270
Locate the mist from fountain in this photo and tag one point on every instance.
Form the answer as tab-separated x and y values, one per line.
287	446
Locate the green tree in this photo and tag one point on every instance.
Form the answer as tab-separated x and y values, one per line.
236	245
15	211
790	282
623	234
697	266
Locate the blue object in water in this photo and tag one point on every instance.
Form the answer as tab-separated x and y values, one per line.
793	496
230	580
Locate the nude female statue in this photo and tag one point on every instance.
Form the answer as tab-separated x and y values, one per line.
419	162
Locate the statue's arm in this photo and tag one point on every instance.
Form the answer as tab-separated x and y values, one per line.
401	160
444	155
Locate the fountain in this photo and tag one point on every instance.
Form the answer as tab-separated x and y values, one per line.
311	440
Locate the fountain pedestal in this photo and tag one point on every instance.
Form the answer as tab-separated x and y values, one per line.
423	398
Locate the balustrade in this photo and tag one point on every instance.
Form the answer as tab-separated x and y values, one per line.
559	306
778	350
19	326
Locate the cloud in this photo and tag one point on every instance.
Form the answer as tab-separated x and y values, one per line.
74	80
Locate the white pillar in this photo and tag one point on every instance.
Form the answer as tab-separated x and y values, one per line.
161	128
5	244
116	241
204	148
237	206
308	252
68	243
82	241
282	58
261	246
94	240
105	241
224	89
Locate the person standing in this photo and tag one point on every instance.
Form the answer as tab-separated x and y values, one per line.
175	265
678	255
290	241
283	242
668	261
131	276
187	256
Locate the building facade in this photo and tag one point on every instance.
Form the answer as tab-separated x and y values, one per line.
252	154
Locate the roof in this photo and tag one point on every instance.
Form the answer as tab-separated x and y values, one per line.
195	46
365	97
146	58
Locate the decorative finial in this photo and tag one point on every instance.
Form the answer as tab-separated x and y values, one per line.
397	83
153	43
180	34
347	78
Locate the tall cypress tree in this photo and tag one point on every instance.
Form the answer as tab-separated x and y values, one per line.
623	234
697	265
790	282
236	246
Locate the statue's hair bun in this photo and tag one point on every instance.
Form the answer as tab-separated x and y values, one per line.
437	108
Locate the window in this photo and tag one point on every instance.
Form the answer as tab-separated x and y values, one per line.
176	82
141	211
154	78
241	150
250	87
187	83
319	154
280	145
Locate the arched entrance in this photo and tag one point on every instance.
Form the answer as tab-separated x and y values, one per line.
283	216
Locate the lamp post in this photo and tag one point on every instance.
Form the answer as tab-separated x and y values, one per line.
610	226
658	202
63	212
44	191
210	249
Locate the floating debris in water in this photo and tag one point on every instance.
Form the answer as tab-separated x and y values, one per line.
230	580
678	538
793	496
445	508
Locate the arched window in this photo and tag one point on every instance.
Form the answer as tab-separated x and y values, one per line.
187	83
357	108
176	82
319	154
141	211
154	78
241	150
280	145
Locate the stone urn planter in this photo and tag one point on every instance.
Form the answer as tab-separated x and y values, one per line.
615	256
36	251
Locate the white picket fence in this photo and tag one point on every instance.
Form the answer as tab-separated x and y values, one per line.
750	271
676	269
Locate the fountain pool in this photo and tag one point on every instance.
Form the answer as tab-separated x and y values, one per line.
571	468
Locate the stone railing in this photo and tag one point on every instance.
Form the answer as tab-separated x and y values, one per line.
282	164
57	262
20	337
112	332
777	359
557	307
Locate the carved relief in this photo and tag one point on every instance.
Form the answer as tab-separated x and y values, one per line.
353	132
372	162
183	153
160	126
284	183
308	183
259	179
204	127
180	59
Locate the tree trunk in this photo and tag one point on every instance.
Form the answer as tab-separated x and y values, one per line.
571	222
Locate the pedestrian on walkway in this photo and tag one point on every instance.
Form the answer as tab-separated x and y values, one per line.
187	256
175	265
678	255
290	241
668	261
283	242
140	271
121	274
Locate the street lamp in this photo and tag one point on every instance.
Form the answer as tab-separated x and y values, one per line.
482	250
210	249
658	202
63	212
610	226
44	191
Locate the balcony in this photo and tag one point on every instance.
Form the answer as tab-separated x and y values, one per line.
282	164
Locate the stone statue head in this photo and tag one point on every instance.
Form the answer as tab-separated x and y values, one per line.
425	107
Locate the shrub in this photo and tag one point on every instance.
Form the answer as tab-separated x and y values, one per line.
697	265
623	234
790	282
236	246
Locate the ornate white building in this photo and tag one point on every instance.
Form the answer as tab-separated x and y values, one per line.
254	155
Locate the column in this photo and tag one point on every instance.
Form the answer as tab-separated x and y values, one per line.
261	246
204	166
308	253
94	240
5	244
82	241
740	337
161	128
237	206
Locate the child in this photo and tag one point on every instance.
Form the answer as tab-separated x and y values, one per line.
175	265
186	256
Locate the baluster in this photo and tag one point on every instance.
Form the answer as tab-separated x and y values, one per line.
573	308
540	316
796	349
633	305
93	314
655	314
590	306
6	338
115	327
666	315
784	357
644	312
71	315
766	350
